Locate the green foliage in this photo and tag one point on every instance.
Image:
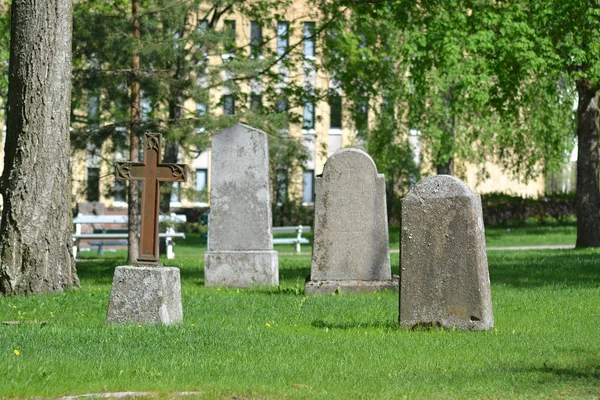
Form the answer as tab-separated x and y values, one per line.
363	55
504	209
467	75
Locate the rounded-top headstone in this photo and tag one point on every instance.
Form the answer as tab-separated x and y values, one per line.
350	249
348	160
444	278
439	186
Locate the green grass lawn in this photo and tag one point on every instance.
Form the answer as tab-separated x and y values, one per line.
528	235
274	342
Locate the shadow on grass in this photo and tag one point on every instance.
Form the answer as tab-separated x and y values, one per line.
102	271
355	325
545	268
293	274
587	369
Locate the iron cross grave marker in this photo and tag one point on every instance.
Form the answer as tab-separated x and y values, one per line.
151	172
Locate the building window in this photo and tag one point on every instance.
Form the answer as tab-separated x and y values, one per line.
201	179
228	104
281	187
119	191
202	26
256	103
362	116
335	112
230	40
175	192
93	110
201	109
308	186
146	108
309	115
255	39
92	189
283	38
281	104
309	39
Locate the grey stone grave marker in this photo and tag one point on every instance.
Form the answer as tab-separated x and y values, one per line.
444	278
350	246
240	252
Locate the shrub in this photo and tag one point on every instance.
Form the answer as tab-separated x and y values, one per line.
503	209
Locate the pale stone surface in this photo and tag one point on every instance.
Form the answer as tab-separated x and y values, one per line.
444	278
241	241
241	268
145	295
350	246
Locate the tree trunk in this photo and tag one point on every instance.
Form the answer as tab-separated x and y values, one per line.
588	195
35	234
134	144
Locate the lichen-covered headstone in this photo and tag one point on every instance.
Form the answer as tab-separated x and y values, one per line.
350	249
444	278
240	252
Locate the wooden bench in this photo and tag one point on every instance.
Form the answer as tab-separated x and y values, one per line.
298	240
120	238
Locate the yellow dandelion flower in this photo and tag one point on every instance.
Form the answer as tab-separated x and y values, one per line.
268	325
139	326
14	306
193	324
218	288
17	352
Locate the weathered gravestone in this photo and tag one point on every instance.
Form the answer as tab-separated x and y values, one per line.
147	292
444	279
240	252
350	249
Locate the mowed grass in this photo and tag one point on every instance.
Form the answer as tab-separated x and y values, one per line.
527	235
275	342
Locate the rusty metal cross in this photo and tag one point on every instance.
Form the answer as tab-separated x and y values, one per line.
151	172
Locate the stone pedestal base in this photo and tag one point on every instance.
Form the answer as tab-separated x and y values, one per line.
145	295
328	287
241	268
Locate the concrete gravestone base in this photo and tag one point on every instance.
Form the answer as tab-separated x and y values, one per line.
145	295
241	268
349	286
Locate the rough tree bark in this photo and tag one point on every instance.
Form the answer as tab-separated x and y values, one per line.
35	234
133	213
587	191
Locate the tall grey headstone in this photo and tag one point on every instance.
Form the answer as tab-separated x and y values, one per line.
444	278
240	252
350	249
